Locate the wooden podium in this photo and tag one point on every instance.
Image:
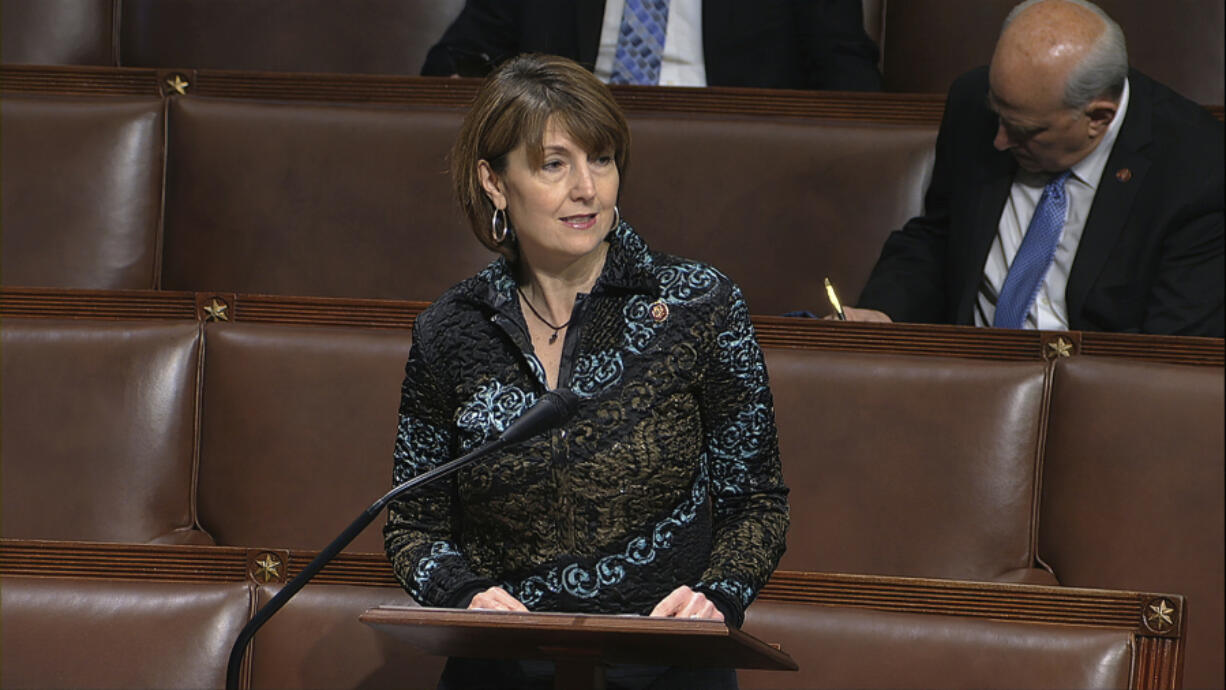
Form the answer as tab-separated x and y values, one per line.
578	644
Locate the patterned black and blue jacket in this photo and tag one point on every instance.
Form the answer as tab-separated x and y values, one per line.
667	475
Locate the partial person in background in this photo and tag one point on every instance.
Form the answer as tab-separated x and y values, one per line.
780	44
1068	193
663	494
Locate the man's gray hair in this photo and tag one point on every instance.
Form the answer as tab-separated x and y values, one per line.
1105	66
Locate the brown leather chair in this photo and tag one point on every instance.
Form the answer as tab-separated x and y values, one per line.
373	36
913	466
1132	489
776	205
297	432
80	633
355	201
847	647
99	430
299	199
81	194
58	32
927	43
316	641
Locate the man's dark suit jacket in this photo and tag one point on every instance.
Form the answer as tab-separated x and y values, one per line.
782	44
1151	255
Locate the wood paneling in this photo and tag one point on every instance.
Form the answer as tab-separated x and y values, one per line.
892	108
773	331
1159	653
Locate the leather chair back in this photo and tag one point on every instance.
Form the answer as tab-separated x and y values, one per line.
1132	490
81	199
93	633
98	431
317	641
927	43
776	205
860	648
370	36
912	466
356	202
297	432
300	199
58	32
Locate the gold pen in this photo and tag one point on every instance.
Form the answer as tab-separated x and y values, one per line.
834	300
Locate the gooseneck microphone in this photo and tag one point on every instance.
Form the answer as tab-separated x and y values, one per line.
553	408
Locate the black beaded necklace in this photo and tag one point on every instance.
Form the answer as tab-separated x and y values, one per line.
553	338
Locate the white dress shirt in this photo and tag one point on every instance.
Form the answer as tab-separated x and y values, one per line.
682	63
1049	311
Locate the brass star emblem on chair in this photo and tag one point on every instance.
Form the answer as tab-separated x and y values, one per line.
178	84
1159	616
268	568
216	311
1059	348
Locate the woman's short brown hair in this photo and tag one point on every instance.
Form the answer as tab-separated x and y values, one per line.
513	107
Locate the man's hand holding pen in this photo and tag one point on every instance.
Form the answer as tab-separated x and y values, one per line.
852	313
855	314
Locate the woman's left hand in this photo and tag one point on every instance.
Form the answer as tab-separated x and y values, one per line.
684	602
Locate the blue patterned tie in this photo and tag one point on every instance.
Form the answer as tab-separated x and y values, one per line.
1033	257
640	42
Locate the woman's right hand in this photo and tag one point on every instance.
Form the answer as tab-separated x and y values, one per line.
496	599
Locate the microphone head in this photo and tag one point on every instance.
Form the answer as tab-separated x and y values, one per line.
566	399
552	409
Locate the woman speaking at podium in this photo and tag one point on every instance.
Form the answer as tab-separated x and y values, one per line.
663	494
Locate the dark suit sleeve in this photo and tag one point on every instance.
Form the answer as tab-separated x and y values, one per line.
1186	297
909	281
839	55
484	34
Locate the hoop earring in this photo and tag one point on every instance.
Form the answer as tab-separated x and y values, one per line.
617	218
499	235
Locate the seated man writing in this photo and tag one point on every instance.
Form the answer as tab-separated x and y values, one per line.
1068	193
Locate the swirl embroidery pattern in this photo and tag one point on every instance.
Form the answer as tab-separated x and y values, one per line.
737	442
490	411
438	551
738	349
420	445
640	327
581	582
499	276
596	372
686	282
734	589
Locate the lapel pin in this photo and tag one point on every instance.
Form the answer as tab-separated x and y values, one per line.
659	311
1123	174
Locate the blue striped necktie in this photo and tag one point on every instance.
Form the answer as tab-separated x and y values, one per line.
1034	257
640	42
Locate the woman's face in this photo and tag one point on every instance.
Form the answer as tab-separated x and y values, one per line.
561	210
